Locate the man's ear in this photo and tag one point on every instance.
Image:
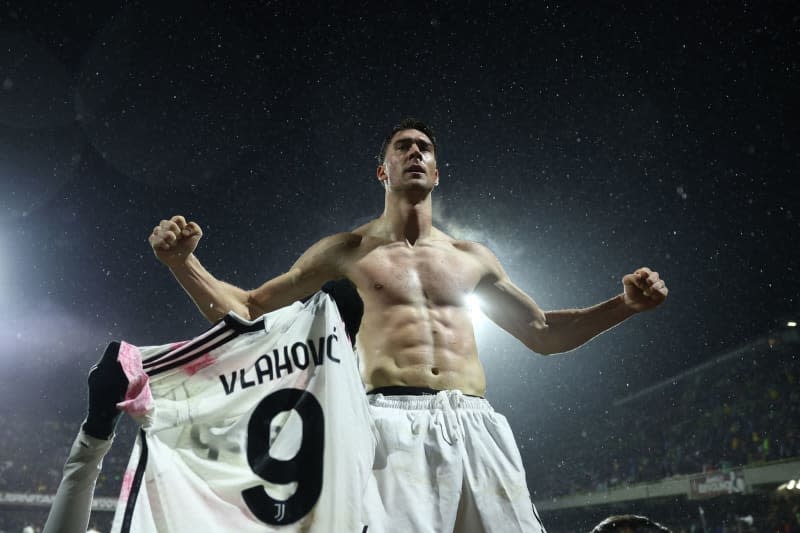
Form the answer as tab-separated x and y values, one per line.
436	176
381	173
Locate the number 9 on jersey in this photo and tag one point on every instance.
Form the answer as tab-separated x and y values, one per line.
305	468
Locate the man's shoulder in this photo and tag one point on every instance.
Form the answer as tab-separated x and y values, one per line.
347	241
471	247
344	238
367	236
480	253
463	245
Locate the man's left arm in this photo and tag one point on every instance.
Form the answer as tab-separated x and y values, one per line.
562	330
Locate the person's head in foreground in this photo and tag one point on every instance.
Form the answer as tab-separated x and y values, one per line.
629	523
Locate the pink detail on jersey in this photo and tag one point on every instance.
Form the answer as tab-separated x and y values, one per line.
127	482
138	399
198	364
175	345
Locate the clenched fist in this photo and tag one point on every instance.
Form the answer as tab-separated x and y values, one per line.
174	240
644	289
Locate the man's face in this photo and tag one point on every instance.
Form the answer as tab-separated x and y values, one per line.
410	162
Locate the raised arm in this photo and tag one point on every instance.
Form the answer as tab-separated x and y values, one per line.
563	330
175	240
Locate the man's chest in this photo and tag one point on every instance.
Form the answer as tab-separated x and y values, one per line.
398	273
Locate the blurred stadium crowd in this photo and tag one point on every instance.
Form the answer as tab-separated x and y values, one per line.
740	412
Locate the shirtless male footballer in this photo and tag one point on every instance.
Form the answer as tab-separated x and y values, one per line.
445	460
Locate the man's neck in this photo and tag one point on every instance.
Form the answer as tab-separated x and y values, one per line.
407	221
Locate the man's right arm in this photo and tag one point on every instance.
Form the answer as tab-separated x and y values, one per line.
174	241
214	297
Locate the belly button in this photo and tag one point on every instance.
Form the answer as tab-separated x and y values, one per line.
378	286
435	371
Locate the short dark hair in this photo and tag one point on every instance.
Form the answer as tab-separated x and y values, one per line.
639	524
406	124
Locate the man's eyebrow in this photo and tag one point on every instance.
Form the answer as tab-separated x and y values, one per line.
409	140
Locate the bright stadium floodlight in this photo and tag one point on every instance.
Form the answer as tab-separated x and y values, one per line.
791	484
791	324
474	305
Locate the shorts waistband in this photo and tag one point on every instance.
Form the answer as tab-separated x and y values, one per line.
425	400
402	390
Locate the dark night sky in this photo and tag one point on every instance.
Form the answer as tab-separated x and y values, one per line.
578	141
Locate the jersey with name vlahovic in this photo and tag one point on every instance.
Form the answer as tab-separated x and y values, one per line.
253	426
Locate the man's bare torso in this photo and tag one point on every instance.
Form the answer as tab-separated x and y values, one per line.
413	279
416	329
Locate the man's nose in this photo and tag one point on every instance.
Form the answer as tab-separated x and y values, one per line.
414	151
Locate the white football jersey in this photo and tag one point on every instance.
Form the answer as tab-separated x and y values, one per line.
253	426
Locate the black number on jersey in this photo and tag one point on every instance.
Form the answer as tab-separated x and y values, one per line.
200	444
305	467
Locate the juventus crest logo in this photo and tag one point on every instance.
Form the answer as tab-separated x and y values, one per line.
280	513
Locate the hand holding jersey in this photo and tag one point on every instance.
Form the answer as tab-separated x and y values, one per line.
252	426
71	507
107	387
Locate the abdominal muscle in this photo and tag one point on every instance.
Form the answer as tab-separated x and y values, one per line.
419	346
